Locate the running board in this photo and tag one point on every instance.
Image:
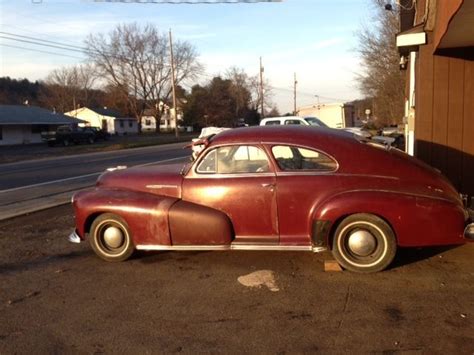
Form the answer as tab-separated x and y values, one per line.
232	247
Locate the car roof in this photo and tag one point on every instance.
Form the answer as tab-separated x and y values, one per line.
289	134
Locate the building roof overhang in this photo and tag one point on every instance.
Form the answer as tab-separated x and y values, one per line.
454	24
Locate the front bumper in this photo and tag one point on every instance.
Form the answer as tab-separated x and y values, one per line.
74	237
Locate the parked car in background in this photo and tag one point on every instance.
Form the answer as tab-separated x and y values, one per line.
276	188
309	121
99	134
67	135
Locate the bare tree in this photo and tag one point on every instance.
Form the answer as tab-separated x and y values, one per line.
382	80
69	87
240	90
136	59
257	96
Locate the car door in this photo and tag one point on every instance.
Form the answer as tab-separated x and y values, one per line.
238	180
305	177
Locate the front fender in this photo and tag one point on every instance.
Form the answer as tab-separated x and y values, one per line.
416	220
145	214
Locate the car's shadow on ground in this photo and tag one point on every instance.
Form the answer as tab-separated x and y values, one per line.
150	257
407	256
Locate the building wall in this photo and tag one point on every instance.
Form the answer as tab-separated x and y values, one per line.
16	134
125	126
94	119
148	123
444	122
334	115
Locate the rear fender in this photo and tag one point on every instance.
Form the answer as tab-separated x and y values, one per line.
145	214
413	218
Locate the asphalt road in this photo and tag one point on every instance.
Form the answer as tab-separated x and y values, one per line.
31	185
57	297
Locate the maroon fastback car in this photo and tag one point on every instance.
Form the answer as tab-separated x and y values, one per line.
276	188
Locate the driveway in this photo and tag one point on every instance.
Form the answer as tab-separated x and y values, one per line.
56	297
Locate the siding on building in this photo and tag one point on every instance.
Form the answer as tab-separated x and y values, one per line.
444	124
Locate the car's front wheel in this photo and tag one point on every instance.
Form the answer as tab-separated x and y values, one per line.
110	238
364	243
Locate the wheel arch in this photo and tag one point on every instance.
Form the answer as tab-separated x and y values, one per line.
338	221
90	219
338	207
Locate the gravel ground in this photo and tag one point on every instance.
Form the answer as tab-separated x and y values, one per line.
56	297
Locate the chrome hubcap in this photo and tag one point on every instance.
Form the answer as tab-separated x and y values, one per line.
113	237
361	242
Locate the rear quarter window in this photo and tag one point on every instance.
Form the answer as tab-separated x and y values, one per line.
292	158
272	123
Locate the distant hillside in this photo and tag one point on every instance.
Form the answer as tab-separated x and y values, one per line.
16	92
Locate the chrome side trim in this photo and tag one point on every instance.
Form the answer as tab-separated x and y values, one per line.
161	186
74	238
232	247
182	247
118	167
228	176
271	247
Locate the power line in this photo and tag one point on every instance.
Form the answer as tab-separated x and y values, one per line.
190	2
43	40
83	50
39	51
40	44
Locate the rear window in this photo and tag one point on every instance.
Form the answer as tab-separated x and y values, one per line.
271	123
293	122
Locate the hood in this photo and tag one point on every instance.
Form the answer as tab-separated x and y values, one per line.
162	180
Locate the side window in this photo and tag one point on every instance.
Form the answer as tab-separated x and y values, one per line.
234	160
272	123
209	164
291	158
293	122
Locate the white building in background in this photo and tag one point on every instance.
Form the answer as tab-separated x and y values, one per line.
335	115
167	122
22	124
107	119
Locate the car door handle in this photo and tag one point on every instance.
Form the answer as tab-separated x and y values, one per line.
268	184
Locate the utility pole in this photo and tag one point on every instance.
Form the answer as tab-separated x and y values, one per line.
261	89
294	96
173	83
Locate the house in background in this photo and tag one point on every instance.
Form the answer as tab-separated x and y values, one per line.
109	120
167	123
148	121
436	46
21	124
335	115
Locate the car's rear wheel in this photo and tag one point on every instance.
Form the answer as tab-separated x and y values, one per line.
364	243
110	238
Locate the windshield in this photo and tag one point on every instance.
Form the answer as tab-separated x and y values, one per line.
313	121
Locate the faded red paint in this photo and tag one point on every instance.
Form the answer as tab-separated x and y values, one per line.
279	208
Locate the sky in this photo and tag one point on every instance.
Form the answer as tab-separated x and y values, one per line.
316	39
